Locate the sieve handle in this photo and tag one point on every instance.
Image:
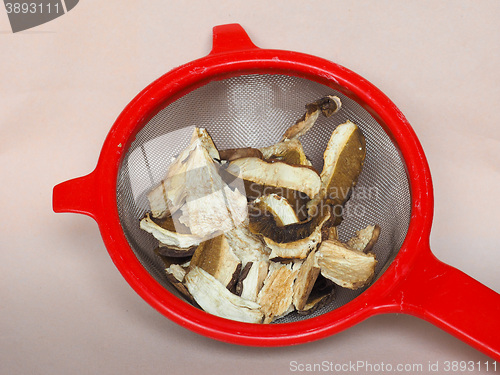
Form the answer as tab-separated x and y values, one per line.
230	38
451	300
79	195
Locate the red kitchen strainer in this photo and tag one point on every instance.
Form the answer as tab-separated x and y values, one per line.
247	96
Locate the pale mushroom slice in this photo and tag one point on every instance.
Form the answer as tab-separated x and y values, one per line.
181	242
251	279
343	161
216	299
211	205
306	277
279	207
346	267
365	239
278	174
290	151
248	247
216	257
327	105
275	297
170	194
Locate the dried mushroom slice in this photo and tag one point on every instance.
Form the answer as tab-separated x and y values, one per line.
323	292
175	271
327	105
182	243
289	151
266	224
365	239
252	279
345	266
343	161
275	297
211	205
306	277
216	257
298	249
216	299
278	206
278	174
167	197
247	246
238	153
287	242
169	260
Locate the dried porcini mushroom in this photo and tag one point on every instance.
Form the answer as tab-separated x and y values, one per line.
299	248
322	293
289	151
327	105
216	257
183	243
306	277
238	153
264	221
343	161
216	299
346	267
278	174
250	234
252	279
278	206
275	297
365	239
167	197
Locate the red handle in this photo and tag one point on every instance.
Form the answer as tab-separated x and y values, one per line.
230	38
451	300
79	195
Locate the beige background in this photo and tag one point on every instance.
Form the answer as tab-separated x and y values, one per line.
65	309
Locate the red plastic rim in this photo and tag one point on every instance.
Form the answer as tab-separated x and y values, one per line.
235	55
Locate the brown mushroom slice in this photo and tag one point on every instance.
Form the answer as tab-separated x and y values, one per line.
328	105
265	223
183	243
275	297
289	151
346	267
306	277
278	206
252	279
343	161
278	174
216	257
216	299
169	260
292	241
365	239
238	153
323	292
170	194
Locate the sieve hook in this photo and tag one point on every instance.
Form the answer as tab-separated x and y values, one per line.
229	38
79	195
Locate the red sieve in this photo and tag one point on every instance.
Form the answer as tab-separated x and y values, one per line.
247	96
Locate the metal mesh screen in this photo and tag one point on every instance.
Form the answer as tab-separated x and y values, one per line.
254	111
